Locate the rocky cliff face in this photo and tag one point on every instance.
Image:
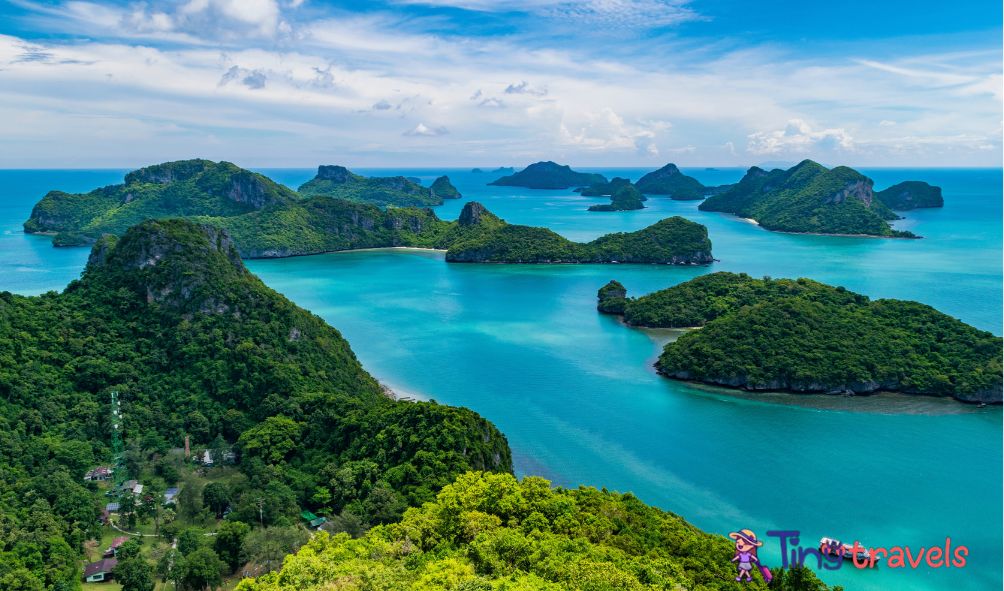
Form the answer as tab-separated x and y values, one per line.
860	190
247	187
472	213
612	298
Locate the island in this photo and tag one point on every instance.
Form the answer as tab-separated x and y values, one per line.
666	181
477	170
548	175
398	191
805	336
443	189
808	199
414	179
911	195
603	189
625	198
267	220
168	339
481	237
504	170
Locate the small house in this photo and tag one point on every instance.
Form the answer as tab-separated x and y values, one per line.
104	517
111	507
113	550
99	571
99	474
137	489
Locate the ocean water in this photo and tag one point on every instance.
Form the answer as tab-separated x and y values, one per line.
575	393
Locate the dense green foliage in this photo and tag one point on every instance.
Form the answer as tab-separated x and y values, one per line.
686	194
490	532
625	198
169	317
808	198
441	187
489	239
612	298
911	195
808	336
173	189
603	189
549	175
668	180
398	191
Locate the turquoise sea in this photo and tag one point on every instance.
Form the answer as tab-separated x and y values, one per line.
575	393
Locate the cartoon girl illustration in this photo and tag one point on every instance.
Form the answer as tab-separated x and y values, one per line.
746	559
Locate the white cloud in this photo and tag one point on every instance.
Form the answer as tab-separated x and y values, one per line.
798	138
887	122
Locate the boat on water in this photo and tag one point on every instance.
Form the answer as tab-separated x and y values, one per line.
830	547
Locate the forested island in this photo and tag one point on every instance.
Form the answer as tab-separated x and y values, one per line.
911	195
805	336
398	191
808	198
484	238
194	346
267	220
549	175
625	198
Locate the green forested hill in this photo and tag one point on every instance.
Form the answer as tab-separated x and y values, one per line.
668	180
481	237
490	532
337	181
625	198
549	175
911	195
169	317
172	189
802	335
808	198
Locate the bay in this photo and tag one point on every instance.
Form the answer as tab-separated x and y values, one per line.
575	393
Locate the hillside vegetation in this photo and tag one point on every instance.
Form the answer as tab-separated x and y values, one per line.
549	175
491	532
911	195
808	198
194	344
776	334
625	198
484	238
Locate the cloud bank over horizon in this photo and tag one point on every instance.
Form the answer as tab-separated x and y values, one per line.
470	82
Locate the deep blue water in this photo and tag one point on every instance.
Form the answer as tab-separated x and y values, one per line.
575	393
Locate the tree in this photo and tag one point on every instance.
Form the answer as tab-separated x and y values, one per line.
173	567
189	541
77	456
198	426
216	450
154	442
129	549
273	440
170	474
270	545
203	570
190	498
216	496
133	574
90	547
383	505
228	541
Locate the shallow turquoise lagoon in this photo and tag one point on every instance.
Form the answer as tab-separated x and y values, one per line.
575	393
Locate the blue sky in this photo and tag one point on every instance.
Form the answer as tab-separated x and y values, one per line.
476	83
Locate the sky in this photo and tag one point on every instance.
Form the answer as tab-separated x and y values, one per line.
413	83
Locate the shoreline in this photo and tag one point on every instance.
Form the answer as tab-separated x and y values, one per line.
743	388
757	224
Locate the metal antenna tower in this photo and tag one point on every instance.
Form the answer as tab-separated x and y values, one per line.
118	448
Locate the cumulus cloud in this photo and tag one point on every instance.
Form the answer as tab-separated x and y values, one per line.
887	122
798	138
382	106
422	130
606	131
492	103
